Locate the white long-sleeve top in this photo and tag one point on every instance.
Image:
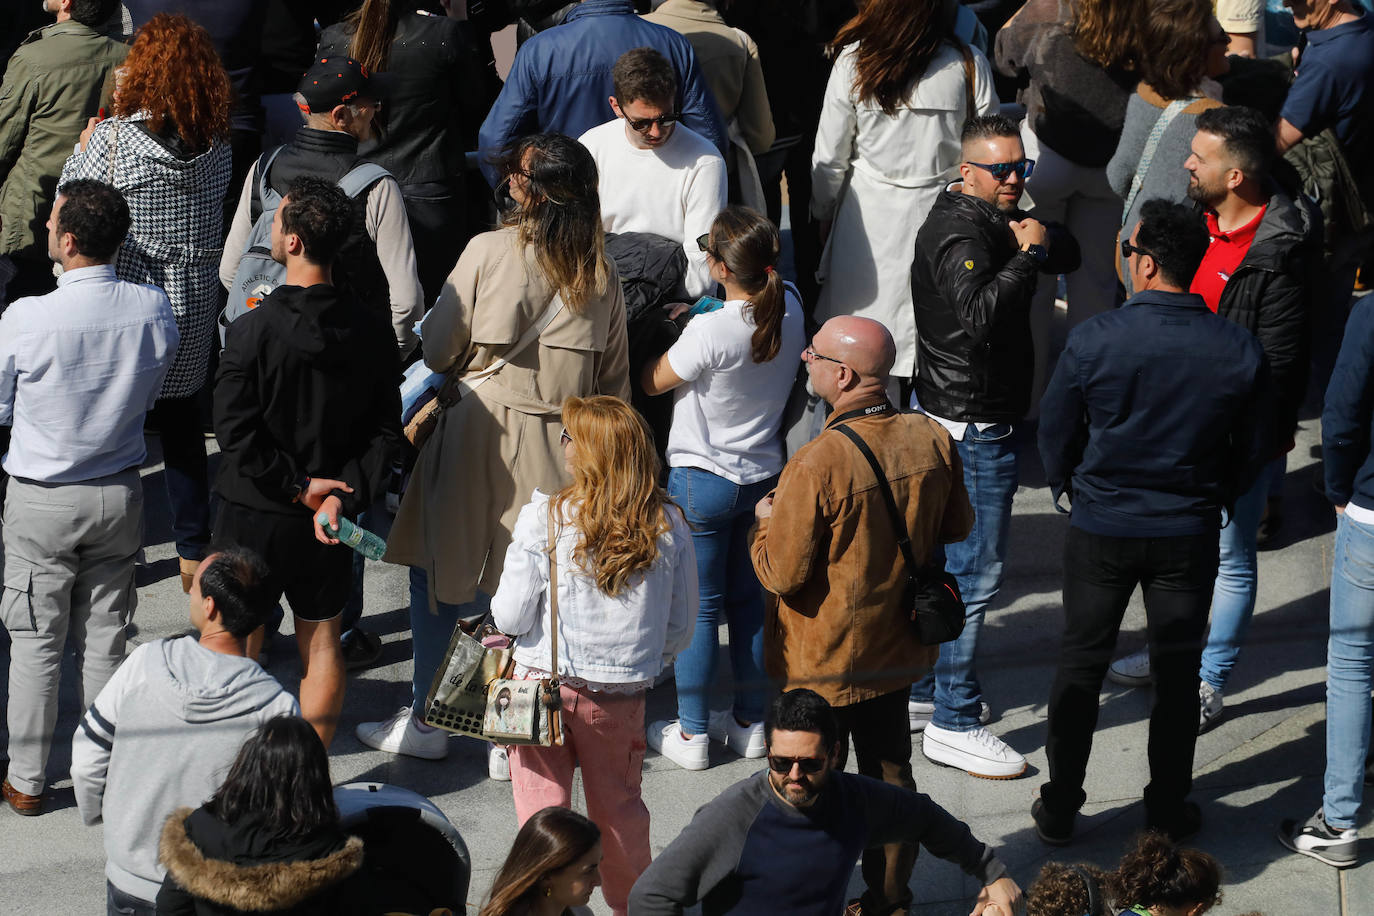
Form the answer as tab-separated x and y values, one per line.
625	639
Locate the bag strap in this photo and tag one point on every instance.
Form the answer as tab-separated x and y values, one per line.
468	382
113	155
553	592
1166	117
969	71
361	177
885	488
264	189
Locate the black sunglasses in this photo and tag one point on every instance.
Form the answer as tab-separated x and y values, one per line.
809	765
704	242
643	124
1002	170
1127	249
564	438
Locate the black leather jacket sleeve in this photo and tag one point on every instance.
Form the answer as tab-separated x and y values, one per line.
968	277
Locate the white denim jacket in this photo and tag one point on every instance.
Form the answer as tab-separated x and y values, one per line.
602	639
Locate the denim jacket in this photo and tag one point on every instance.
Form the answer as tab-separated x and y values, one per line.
628	638
561	79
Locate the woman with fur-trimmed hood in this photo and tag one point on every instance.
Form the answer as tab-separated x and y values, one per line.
268	841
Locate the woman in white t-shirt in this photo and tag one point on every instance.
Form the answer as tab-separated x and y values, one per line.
733	369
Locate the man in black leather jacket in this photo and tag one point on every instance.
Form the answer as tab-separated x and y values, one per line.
978	259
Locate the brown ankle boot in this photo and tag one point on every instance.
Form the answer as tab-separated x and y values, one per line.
188	573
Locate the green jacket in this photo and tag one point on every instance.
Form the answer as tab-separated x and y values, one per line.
53	84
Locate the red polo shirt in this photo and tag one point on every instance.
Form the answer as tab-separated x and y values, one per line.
1223	256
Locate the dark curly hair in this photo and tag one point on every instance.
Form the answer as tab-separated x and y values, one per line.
174	74
96	214
1157	872
1062	889
320	214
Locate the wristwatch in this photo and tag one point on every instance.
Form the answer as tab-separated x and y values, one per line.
300	486
1039	252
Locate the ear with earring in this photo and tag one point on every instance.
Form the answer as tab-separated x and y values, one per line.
548	892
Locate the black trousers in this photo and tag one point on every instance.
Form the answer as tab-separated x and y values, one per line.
881	734
1100	573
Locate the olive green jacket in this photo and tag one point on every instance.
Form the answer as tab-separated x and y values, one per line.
55	81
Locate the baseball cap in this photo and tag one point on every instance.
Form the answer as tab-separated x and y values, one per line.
336	80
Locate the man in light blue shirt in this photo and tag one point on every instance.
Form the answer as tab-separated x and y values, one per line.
79	369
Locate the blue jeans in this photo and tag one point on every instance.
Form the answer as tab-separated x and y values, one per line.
721	514
430	633
1233	596
990	475
1349	671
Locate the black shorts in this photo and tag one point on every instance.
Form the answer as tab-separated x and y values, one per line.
316	578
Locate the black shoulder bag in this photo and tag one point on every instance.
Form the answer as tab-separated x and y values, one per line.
931	595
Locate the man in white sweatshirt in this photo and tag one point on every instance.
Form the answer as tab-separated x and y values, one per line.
165	729
657	174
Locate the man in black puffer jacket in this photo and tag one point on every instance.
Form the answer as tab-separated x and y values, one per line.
1258	272
978	259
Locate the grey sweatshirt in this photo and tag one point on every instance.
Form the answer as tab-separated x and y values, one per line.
740	854
161	736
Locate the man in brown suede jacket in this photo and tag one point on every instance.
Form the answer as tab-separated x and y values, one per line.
826	547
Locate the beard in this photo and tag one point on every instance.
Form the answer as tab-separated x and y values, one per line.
1204	195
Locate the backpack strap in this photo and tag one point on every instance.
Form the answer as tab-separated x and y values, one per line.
361	177
265	196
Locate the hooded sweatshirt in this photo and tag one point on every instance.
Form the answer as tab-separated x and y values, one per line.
307	387
160	736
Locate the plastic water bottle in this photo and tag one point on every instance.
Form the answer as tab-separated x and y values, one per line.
360	539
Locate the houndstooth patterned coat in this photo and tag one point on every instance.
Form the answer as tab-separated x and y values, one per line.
176	238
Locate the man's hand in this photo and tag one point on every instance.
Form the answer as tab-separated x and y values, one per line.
763	508
1028	232
1340	510
319	488
330	507
86	134
1000	898
676	310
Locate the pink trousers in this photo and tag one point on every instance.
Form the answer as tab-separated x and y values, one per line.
604	734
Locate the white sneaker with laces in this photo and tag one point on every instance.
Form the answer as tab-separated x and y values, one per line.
1131	670
399	735
498	763
978	752
745	740
689	753
1209	706
919	714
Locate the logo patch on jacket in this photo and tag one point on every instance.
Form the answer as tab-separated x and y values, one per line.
968	265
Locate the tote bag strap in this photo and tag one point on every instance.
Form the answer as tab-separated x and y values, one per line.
1147	155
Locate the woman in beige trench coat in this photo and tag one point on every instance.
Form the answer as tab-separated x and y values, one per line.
493	448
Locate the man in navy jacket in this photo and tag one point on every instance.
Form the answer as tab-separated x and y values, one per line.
561	78
1151	425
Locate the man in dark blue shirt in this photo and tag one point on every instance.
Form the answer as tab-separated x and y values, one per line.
1333	83
1149	426
785	839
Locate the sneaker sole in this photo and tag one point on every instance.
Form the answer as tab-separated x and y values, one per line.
405	753
960	765
657	747
1314	853
1128	680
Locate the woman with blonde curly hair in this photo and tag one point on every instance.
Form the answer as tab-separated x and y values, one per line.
166	148
627	601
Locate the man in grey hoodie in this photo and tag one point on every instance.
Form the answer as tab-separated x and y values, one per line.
162	733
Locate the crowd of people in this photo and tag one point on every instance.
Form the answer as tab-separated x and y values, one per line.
657	413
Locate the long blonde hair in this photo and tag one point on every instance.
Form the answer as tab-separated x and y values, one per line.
621	510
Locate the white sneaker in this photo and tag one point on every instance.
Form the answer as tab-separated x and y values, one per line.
399	735
919	714
978	752
1209	706
689	753
498	763
1131	670
745	740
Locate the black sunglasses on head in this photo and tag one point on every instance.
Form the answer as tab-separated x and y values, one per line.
1002	170
643	124
704	241
1127	249
783	765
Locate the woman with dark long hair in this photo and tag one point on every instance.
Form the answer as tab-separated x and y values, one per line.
626	598
553	865
887	144
732	370
269	840
540	292
166	148
439	88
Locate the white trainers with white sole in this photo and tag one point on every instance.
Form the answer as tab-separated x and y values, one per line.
400	735
978	752
689	753
745	740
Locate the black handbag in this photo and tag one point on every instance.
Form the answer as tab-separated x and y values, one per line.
931	594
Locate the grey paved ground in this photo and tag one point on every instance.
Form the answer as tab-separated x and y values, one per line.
1264	762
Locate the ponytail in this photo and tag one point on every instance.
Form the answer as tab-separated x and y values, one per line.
374	28
748	244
